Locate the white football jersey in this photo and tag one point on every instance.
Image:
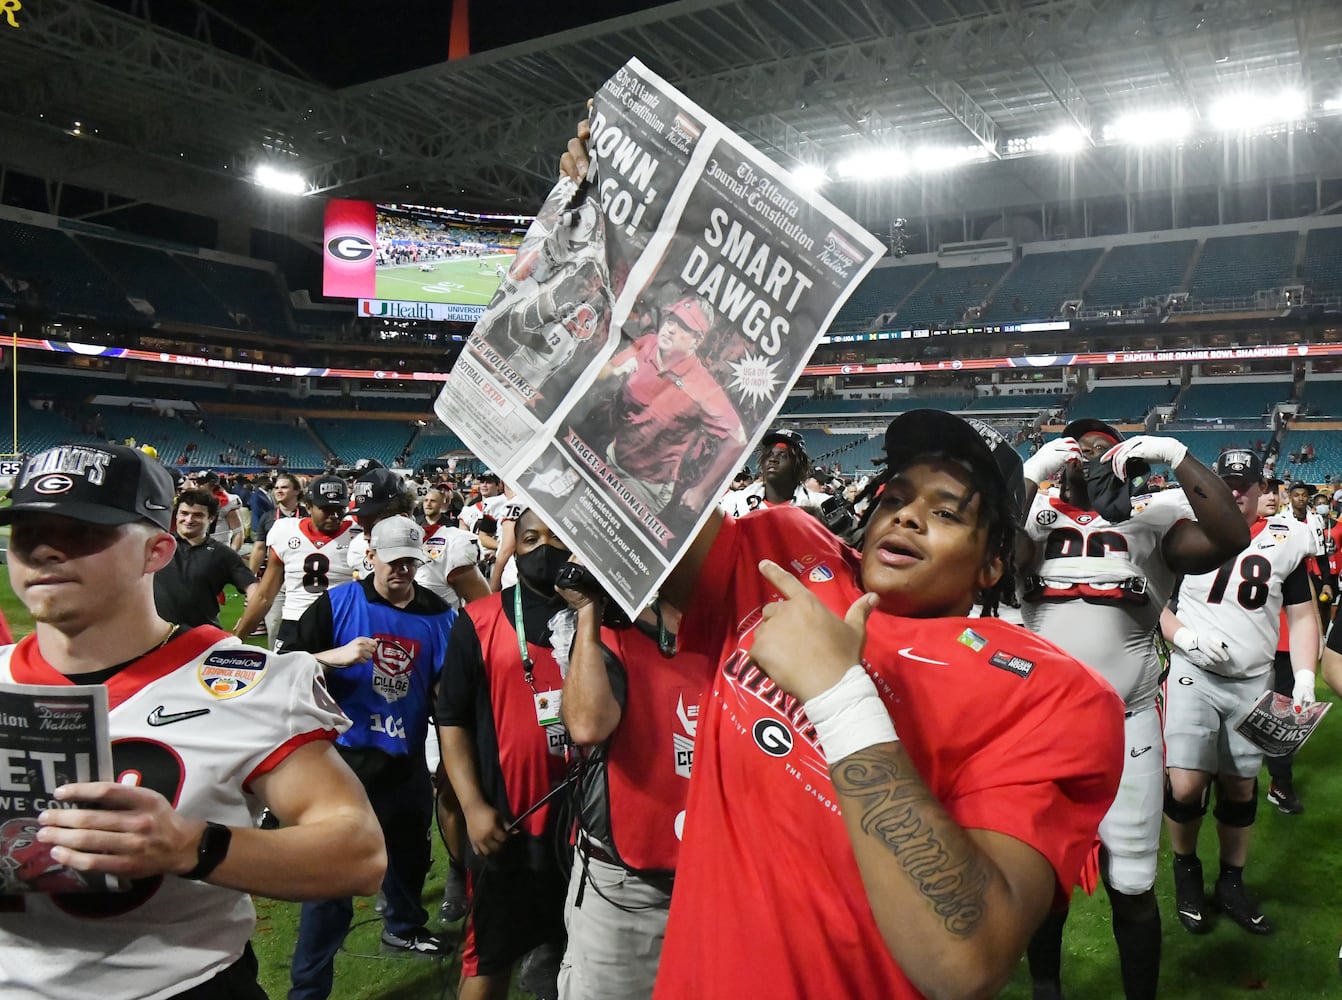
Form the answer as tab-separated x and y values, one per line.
739	503
222	532
1316	524
1097	589
1240	603
313	563
447	549
196	720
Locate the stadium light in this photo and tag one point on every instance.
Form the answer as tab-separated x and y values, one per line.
1063	140
873	165
810	177
1144	128
284	181
1246	112
1333	104
930	159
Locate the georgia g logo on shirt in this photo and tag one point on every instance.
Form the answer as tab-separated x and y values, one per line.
773	737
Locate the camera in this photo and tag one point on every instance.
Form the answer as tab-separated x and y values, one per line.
838	515
575	576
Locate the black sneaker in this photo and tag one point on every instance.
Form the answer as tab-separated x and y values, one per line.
1236	903
1190	899
455	903
538	973
1285	799
419	943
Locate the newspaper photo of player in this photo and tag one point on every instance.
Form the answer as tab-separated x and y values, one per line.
550	317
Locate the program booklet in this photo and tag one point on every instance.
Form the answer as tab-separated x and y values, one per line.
49	736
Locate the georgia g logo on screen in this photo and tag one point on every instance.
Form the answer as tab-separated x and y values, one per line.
351	249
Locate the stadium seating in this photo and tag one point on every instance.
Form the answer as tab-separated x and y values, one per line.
38	430
1206	446
1327	454
154	275
1134	272
1237	266
62	274
1232	400
352	440
1321	270
298	448
943	298
431	443
1121	404
1036	288
1018	401
1322	398
248	291
168	435
881	291
799	405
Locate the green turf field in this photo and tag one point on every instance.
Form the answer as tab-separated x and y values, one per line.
1293	867
470	281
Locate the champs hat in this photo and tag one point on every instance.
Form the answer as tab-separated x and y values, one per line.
993	460
376	489
328	491
1239	464
98	484
397	537
1089	425
786	435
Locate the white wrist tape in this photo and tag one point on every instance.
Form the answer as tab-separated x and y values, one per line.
850	716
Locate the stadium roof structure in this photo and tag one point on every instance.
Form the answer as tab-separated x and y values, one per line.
108	100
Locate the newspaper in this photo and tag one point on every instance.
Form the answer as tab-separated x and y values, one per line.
49	736
1274	727
649	330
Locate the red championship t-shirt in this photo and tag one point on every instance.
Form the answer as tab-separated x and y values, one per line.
1010	734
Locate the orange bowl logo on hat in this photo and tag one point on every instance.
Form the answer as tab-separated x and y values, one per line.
52	484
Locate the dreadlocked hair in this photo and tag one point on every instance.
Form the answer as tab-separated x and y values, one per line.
995	506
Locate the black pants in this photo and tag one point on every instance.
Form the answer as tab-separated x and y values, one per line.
1283	682
237	982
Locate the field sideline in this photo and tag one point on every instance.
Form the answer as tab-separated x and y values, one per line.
467	281
1293	867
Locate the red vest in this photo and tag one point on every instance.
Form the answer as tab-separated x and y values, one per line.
648	757
531	758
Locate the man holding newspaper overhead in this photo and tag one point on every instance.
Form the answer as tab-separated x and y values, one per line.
203	731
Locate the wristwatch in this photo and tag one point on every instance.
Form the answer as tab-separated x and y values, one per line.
212	850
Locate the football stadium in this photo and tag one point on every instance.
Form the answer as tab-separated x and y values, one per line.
1100	219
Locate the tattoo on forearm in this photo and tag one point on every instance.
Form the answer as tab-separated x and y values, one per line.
893	811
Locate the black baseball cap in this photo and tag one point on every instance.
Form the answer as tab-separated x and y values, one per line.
990	456
98	484
375	490
328	491
786	435
1239	463
1090	425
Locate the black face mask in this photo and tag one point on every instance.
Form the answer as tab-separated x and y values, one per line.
1111	497
540	567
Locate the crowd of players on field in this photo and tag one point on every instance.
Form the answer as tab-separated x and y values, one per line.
506	700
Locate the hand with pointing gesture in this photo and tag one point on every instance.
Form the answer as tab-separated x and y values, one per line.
803	645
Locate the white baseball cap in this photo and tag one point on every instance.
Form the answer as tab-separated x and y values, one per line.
397	538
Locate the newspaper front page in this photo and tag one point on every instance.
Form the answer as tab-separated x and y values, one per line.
49	736
649	330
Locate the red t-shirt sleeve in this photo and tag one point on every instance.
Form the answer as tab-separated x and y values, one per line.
1052	785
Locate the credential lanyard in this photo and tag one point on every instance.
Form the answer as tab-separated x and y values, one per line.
528	668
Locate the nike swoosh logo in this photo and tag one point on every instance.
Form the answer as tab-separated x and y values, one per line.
1137	753
158	717
155	506
1196	914
908	652
1256	920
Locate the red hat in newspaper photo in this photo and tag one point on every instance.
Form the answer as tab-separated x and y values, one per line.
692	314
